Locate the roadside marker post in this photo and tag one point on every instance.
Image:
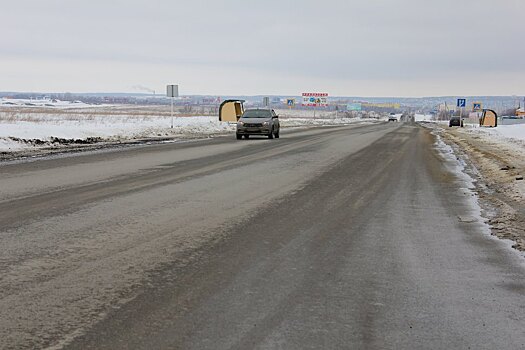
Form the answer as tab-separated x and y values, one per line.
172	91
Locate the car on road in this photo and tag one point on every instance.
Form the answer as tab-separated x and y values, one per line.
258	122
455	121
392	118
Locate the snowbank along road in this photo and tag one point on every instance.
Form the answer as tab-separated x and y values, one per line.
499	164
343	237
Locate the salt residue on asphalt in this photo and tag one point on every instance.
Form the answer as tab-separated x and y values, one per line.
458	166
297	122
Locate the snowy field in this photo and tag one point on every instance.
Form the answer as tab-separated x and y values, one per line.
31	126
514	132
511	135
6	102
423	118
506	134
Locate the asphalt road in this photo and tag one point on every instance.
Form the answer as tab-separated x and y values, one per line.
353	237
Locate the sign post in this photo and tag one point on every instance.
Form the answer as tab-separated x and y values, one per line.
462	103
290	102
172	91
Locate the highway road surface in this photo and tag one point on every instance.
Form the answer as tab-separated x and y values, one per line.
354	237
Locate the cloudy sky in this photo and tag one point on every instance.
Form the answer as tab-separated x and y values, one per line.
234	47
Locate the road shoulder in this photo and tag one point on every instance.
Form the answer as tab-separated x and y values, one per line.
496	167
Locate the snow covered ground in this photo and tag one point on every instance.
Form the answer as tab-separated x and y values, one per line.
514	132
423	117
505	134
510	136
23	128
7	102
16	134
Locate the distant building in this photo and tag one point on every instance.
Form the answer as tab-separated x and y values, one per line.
520	111
446	107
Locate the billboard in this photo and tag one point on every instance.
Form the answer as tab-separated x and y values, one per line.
383	105
354	107
315	99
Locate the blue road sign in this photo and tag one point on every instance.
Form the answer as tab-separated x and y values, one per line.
462	102
476	107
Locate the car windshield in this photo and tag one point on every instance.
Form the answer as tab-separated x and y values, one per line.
257	113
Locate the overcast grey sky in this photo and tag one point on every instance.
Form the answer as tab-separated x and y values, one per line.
234	47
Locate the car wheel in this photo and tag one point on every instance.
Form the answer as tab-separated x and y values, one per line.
239	136
270	135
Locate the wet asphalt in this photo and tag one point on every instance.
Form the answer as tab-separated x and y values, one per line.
332	238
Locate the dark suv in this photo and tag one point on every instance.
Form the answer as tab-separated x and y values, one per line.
258	122
455	121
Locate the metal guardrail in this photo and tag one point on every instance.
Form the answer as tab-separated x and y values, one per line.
510	121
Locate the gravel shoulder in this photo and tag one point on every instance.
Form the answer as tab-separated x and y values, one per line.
497	166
